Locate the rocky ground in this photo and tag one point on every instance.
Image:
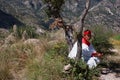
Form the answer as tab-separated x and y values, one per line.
113	74
110	76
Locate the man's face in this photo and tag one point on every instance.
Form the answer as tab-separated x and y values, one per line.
87	37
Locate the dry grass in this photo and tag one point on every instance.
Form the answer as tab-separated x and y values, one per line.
114	42
15	58
59	35
27	61
114	60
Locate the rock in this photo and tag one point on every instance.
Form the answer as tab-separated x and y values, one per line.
10	39
4	32
32	41
39	31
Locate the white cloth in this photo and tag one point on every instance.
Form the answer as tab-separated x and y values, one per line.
73	52
87	51
86	54
92	62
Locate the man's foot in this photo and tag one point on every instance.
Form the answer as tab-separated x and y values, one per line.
67	68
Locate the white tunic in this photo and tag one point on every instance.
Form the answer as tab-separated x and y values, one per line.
86	54
87	51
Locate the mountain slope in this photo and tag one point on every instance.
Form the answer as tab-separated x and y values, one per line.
106	13
7	20
102	12
32	12
28	12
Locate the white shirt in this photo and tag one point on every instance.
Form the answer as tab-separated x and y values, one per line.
86	54
87	51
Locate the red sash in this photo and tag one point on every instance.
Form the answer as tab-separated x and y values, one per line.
85	41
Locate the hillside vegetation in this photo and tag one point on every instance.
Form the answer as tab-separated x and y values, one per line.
43	57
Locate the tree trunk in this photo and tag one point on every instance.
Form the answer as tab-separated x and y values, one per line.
80	29
67	28
69	36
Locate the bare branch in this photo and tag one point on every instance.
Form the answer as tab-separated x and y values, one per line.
80	23
83	15
80	29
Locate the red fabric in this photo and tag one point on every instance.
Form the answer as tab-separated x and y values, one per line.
94	54
87	32
85	41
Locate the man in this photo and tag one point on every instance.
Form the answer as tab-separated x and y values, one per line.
89	54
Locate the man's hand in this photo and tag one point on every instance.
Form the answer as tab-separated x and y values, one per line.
97	54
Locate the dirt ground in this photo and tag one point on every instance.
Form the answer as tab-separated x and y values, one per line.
110	76
113	74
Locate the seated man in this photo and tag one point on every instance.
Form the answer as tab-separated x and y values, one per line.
89	54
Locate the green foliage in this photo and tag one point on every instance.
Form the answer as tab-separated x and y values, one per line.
55	3
51	65
80	71
101	38
54	7
59	48
34	70
29	30
117	37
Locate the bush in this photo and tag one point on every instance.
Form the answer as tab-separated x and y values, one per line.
117	37
101	38
51	65
59	48
80	71
30	32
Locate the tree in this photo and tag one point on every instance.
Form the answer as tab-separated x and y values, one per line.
53	7
53	10
80	29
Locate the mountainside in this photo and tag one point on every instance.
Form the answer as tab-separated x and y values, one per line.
7	20
72	9
32	12
29	12
102	12
106	13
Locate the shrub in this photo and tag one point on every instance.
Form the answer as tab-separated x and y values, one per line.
101	38
80	71
117	37
33	70
30	32
59	48
50	67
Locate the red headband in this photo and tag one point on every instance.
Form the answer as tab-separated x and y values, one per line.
87	32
